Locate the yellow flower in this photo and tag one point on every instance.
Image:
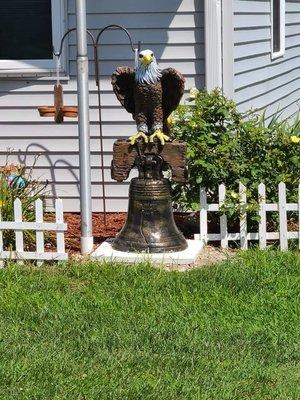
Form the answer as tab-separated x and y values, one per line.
170	120
234	195
295	139
193	93
1	203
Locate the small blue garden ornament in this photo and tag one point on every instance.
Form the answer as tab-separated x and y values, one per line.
16	181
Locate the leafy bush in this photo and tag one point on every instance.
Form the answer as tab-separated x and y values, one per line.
226	146
16	183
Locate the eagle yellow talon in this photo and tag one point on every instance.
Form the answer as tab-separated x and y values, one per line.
133	139
160	136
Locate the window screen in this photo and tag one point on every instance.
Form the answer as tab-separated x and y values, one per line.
276	26
25	29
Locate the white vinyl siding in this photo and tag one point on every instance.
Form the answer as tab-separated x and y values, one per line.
260	82
173	29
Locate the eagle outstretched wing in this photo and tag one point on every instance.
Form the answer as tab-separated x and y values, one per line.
172	83
122	81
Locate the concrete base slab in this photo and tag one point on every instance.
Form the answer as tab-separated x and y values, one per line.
187	256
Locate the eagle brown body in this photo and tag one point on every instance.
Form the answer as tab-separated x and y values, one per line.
149	103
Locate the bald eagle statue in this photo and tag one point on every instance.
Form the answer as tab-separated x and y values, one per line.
150	95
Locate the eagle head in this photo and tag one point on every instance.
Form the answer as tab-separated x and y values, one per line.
146	57
147	70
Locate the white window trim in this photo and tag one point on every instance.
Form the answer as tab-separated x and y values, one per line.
40	67
281	52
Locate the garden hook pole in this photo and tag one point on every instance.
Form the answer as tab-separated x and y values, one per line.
97	79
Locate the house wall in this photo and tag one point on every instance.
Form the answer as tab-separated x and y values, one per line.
260	82
173	29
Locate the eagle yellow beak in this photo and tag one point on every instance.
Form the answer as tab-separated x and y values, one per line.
147	58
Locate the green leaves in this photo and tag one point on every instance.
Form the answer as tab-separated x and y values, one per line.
227	146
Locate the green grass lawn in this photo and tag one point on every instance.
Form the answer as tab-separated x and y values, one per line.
98	332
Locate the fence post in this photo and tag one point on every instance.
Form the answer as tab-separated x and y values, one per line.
39	217
18	233
203	215
223	218
282	216
243	217
262	228
60	237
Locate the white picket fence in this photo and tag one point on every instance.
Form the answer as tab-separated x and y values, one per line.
39	226
243	237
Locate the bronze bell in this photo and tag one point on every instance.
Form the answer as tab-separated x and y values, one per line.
150	224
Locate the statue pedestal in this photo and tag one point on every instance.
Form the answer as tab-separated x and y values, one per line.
105	252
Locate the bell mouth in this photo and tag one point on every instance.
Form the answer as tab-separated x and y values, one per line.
150	225
130	247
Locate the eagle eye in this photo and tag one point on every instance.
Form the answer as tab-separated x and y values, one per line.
152	54
141	56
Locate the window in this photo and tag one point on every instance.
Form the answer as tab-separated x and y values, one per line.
28	31
278	28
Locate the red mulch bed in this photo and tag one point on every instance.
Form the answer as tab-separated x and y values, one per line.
115	221
188	223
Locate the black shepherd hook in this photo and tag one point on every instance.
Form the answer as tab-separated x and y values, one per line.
113	26
97	78
58	53
96	43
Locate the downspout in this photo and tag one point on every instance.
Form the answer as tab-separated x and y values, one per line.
228	47
84	129
219	46
213	44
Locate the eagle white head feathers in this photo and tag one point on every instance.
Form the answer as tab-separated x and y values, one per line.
147	71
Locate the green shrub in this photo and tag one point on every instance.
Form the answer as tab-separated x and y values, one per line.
15	182
226	146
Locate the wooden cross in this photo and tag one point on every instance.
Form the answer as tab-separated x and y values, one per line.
58	111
